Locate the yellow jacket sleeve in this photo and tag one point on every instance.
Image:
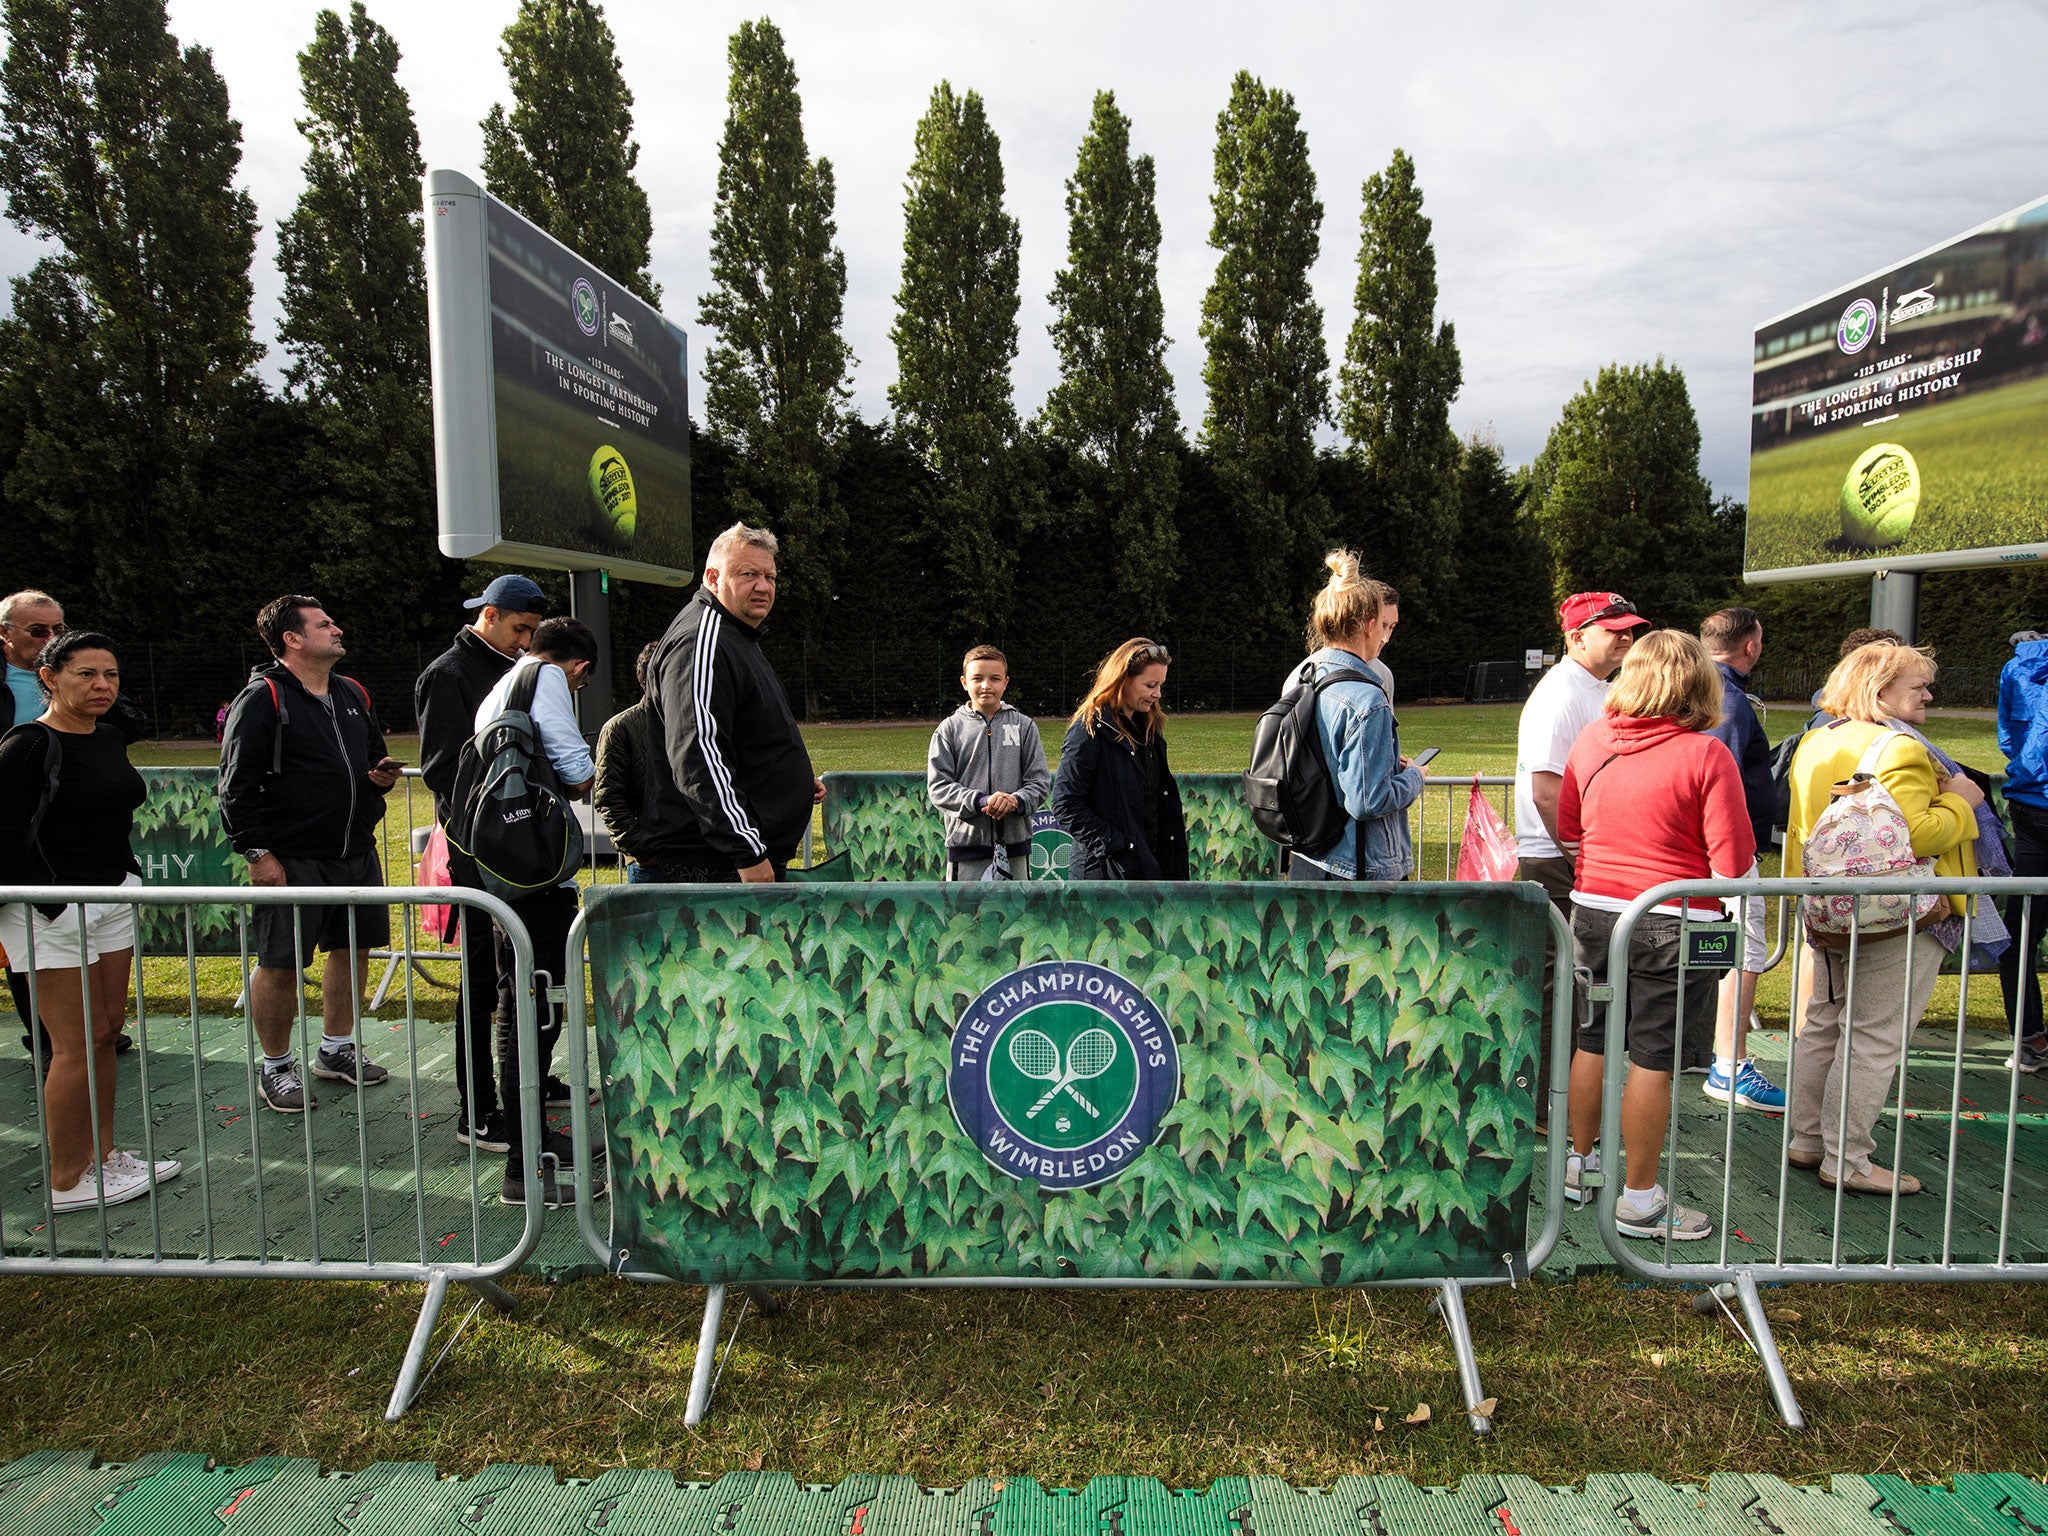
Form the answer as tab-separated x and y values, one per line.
1937	822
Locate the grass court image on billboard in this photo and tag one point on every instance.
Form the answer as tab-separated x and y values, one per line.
1902	422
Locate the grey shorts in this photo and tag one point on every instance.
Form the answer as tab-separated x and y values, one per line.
1652	983
323	927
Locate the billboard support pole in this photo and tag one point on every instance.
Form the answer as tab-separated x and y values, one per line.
1895	603
589	602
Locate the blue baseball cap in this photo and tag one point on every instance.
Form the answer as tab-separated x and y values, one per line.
512	594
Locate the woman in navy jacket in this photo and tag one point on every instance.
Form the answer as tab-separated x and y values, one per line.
1114	793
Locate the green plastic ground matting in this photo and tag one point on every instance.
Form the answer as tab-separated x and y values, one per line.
443	1223
68	1494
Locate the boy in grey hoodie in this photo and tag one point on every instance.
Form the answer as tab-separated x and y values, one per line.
986	772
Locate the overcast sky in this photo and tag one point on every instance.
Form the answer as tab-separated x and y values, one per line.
1608	182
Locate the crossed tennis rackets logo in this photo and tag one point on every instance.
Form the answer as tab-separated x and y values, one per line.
1091	1054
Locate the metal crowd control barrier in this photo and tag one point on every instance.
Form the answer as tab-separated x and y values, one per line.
343	1194
762	1059
1959	1122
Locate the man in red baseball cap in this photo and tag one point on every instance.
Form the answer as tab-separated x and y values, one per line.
1599	627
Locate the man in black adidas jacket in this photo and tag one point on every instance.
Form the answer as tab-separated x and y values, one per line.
729	783
446	699
303	776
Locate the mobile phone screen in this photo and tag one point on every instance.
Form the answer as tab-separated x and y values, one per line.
1423	757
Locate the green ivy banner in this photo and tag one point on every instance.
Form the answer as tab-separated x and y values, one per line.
178	840
886	821
1310	1084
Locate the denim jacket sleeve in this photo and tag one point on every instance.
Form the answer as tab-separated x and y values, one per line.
1361	748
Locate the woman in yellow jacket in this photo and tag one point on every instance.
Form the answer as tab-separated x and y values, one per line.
1875	690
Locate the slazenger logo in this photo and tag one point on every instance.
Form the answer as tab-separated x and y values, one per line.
1919	302
1858	326
1062	1072
583	299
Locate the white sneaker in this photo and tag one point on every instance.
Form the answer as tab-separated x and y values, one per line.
1576	1168
110	1183
130	1162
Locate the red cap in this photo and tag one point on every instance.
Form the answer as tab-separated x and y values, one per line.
1610	610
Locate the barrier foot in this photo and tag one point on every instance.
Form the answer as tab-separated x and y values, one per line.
383	985
494	1293
408	1384
1766	1349
1450	1303
707	1357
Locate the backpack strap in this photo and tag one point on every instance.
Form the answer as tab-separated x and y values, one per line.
359	688
283	719
520	695
53	771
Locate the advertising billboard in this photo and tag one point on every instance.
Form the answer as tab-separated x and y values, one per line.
1901	423
561	401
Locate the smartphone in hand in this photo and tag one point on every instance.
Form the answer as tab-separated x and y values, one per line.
1422	758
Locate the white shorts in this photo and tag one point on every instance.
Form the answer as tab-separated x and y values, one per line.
1755	952
109	927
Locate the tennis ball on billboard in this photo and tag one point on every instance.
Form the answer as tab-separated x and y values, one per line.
1880	496
611	482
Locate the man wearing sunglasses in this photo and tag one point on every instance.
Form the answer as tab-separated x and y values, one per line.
1599	628
28	622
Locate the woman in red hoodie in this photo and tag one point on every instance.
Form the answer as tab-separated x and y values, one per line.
1647	797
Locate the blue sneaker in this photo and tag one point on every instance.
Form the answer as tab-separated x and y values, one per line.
1752	1090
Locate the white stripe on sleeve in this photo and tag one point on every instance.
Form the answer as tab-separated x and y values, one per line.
708	628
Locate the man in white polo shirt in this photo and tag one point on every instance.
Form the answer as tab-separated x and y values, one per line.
1599	627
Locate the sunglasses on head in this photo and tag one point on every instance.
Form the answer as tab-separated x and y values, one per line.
1613	610
39	631
1147	654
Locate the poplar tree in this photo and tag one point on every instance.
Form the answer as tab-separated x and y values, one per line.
355	320
1401	372
1266	360
1503	570
130	345
1113	406
775	379
1620	499
955	336
564	156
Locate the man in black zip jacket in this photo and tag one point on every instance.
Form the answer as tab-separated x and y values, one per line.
729	782
303	776
446	699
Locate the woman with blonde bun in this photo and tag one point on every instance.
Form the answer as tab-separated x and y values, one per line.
1361	742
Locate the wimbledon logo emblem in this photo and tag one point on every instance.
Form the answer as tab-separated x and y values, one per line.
1859	325
1052	848
1062	1072
583	299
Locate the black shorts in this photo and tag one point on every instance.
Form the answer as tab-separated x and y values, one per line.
1653	955
326	927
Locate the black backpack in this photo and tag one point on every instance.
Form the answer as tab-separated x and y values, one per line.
1781	776
1288	786
510	817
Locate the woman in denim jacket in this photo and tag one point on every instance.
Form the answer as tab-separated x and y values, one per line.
1360	741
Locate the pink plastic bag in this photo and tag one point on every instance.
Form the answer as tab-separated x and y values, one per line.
1487	851
439	921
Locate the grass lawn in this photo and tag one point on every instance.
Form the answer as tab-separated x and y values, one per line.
1592	1375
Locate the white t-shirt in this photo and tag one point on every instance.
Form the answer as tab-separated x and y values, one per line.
1565	700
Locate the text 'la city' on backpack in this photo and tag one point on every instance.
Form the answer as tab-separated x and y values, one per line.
510	816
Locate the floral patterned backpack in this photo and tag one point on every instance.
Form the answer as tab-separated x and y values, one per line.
1863	833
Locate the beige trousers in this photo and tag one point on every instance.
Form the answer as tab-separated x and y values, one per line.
1867	1046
